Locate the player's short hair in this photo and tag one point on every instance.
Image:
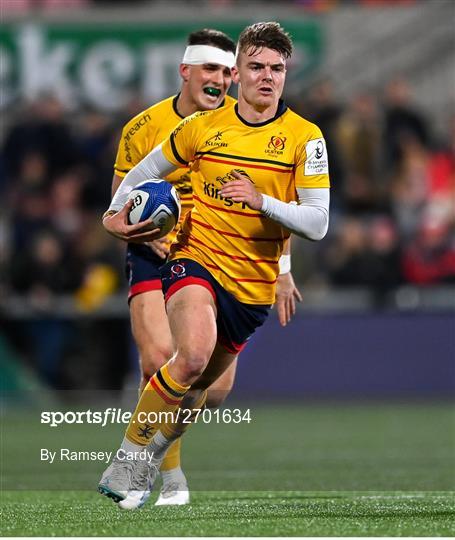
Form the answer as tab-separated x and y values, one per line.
265	34
208	36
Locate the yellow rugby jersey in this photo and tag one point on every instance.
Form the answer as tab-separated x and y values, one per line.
146	131
239	246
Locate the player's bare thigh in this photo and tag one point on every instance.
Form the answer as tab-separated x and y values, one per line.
151	331
192	318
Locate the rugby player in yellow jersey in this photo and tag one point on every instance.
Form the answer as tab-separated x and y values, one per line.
204	87
220	280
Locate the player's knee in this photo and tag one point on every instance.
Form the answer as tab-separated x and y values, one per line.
193	369
192	364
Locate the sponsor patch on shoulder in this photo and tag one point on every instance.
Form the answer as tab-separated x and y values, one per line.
316	158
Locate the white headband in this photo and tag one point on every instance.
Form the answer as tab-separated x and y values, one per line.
206	54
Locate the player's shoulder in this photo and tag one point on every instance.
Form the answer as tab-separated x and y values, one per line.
152	115
301	125
202	119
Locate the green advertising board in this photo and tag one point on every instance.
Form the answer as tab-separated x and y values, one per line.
105	65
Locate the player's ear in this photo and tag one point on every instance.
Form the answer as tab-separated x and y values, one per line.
184	70
235	75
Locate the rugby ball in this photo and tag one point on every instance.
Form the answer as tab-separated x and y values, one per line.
156	199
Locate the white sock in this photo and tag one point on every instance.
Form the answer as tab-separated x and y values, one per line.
159	445
173	476
128	446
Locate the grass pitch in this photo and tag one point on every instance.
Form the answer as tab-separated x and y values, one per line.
233	514
295	470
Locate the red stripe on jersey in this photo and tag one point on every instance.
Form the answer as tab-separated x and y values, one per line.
236	280
243	158
213	266
161	393
255	280
249	165
235	257
235	235
246	214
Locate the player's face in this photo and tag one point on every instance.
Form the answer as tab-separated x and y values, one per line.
208	84
261	77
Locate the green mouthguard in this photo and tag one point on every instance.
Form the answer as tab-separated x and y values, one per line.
212	91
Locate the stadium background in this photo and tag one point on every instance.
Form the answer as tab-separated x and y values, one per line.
379	295
375	333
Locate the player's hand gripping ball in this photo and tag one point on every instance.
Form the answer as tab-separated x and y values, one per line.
156	199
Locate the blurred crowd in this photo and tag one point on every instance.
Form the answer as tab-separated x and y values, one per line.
392	210
56	176
393	196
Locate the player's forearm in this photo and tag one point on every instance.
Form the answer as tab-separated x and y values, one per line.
309	218
154	165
